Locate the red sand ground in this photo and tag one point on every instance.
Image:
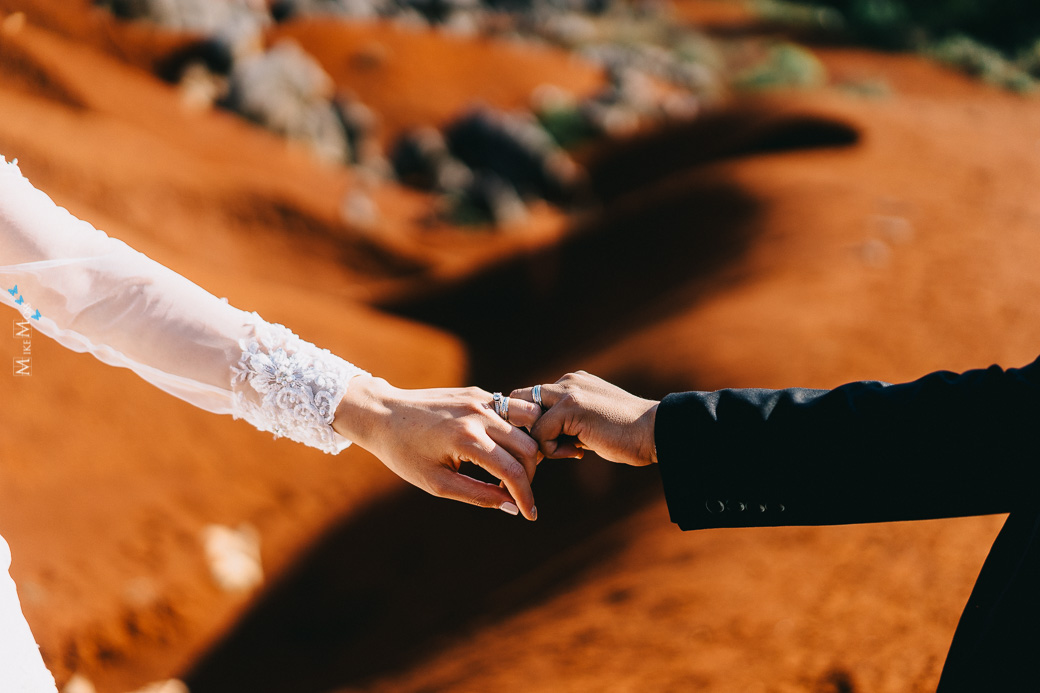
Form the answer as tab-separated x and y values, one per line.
107	483
912	250
833	288
414	77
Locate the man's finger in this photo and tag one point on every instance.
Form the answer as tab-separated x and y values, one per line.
568	447
495	460
549	430
551	394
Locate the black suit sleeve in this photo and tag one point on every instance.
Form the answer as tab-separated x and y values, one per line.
945	445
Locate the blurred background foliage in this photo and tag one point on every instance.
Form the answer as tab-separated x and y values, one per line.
997	40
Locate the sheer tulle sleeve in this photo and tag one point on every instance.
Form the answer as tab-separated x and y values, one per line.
95	294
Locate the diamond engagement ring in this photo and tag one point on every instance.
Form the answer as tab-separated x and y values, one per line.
501	405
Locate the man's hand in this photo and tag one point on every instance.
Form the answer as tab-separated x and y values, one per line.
586	412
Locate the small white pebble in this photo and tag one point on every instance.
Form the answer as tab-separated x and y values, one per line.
233	556
360	210
874	253
79	684
894	229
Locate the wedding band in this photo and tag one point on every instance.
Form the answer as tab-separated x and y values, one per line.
505	408
537	394
496	399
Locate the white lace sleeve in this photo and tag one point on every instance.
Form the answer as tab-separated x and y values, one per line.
290	387
93	293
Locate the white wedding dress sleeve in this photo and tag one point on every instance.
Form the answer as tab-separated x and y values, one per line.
95	294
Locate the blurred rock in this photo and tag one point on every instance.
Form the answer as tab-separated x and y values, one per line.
549	7
421	159
669	65
200	88
283	10
632	88
361	126
679	106
570	29
552	97
465	24
210	53
233	556
610	119
489	199
236	22
512	146
439	11
288	92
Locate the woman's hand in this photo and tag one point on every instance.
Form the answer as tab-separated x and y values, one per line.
424	436
586	412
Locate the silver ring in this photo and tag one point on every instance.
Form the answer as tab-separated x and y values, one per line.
537	394
505	408
496	399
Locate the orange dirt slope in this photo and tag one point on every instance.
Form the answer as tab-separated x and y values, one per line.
106	481
912	248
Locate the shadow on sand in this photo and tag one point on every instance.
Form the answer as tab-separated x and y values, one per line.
400	580
665	226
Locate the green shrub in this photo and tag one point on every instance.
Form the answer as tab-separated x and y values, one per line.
995	40
1008	25
566	125
785	65
980	60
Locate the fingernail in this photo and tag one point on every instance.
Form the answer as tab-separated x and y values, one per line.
510	508
534	513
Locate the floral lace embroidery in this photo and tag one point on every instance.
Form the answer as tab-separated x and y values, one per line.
295	386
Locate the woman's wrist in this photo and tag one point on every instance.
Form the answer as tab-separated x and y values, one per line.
362	408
